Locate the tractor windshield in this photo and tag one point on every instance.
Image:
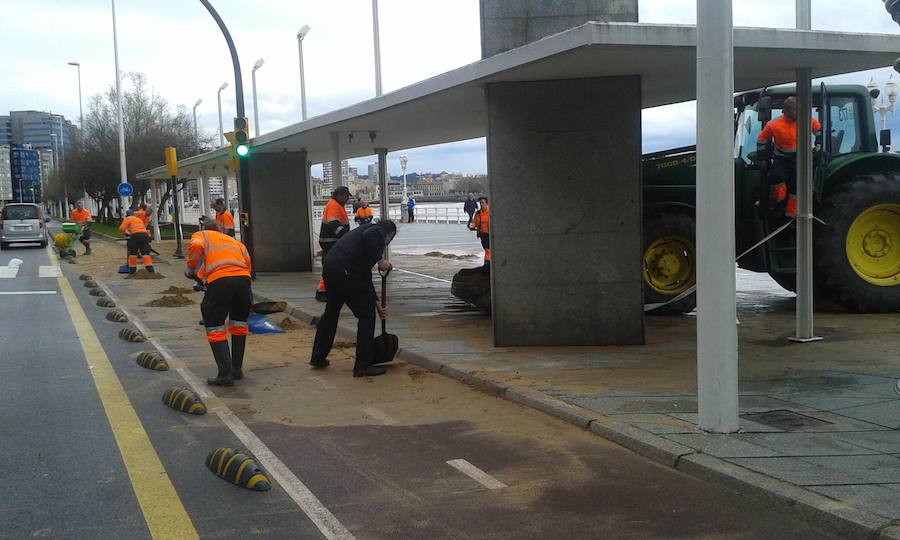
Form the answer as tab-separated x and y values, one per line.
845	128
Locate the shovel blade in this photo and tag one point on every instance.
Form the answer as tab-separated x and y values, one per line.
386	347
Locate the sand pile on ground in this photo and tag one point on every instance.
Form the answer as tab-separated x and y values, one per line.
170	301
176	290
289	324
144	274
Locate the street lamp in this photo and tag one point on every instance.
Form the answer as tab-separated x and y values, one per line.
221	129
196	136
300	35
377	47
403	161
80	106
259	63
123	167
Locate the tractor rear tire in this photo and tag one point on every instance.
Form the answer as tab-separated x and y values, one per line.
669	262
857	251
786	280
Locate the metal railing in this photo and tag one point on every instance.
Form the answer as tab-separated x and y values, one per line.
423	214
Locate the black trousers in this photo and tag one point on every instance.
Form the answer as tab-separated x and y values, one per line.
471	215
226	298
784	170
411	215
358	293
138	244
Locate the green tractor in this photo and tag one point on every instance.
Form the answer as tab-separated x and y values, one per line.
856	196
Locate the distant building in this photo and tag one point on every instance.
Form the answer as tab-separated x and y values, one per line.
25	170
41	130
47	162
5	131
215	187
327	179
433	187
373	172
6	193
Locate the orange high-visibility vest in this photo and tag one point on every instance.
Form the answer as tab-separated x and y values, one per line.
333	217
80	216
481	221
213	255
143	216
784	133
225	219
132	225
364	212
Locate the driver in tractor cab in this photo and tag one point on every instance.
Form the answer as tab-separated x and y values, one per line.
782	133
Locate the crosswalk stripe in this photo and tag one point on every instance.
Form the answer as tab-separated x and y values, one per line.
49	271
8	272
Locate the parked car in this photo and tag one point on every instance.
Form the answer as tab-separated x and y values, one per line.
22	222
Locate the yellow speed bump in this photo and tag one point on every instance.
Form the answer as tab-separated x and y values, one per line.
152	360
132	335
97	292
233	465
184	400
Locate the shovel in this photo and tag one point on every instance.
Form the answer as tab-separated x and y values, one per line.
386	345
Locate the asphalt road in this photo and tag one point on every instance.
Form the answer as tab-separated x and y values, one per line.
410	455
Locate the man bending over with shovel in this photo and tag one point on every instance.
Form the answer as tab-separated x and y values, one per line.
348	279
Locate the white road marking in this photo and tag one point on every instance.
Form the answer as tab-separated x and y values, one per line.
380	415
49	271
8	272
13	293
328	524
476	474
423	275
323	383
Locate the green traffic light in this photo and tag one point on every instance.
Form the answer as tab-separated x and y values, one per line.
242	150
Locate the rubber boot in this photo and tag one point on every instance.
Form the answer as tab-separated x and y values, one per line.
223	361
238	344
87	249
150	269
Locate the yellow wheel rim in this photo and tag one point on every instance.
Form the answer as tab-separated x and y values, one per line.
669	265
873	244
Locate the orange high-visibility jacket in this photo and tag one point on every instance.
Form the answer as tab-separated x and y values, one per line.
334	222
784	133
213	255
226	219
132	225
481	221
143	216
364	212
80	216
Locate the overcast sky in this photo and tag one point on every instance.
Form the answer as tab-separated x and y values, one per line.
177	45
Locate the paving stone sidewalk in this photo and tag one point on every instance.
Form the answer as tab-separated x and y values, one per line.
819	422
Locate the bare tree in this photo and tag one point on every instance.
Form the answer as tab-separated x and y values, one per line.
150	126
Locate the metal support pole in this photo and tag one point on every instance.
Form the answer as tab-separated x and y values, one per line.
375	32
221	127
255	102
204	192
173	184
337	173
804	306
123	168
154	191
383	185
717	353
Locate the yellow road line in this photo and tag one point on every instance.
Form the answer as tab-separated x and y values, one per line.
163	511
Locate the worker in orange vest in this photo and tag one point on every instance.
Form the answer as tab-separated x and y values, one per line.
138	242
223	263
335	224
144	213
481	224
363	213
82	216
223	216
782	133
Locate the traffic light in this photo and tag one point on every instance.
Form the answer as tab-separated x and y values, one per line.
242	136
234	161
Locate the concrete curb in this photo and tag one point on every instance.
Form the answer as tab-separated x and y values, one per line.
847	521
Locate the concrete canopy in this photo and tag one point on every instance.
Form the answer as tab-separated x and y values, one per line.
451	106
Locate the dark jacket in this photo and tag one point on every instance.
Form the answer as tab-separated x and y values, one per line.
470	206
358	251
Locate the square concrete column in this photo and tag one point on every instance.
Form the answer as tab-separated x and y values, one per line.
280	212
564	161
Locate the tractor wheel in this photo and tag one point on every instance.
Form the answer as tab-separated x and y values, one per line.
787	280
669	262
858	248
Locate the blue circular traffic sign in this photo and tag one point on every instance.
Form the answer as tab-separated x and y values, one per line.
125	189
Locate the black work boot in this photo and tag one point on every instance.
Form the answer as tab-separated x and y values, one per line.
371	371
150	269
238	344
223	361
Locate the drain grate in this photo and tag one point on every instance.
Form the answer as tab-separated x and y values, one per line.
786	420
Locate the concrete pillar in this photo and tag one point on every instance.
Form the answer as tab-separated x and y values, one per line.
337	176
204	192
280	206
509	24
154	193
383	186
226	193
565	197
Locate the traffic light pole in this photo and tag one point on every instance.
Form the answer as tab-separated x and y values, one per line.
179	254
244	171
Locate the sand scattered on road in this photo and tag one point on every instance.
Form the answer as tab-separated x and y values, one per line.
170	301
144	274
288	324
176	290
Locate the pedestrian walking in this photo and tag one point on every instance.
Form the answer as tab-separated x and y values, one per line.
82	216
223	264
224	216
470	206
348	276
410	210
138	242
481	224
335	224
